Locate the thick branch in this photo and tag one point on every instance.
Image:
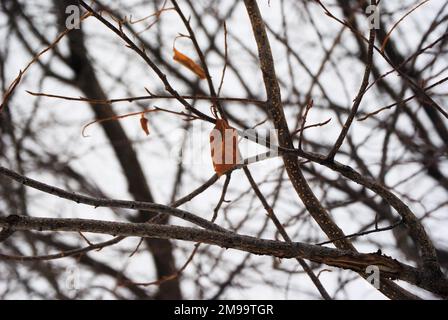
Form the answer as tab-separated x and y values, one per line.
98	202
389	268
274	103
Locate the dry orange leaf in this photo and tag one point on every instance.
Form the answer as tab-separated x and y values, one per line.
144	124
224	147
190	64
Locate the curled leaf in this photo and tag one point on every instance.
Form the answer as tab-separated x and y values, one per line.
144	124
224	147
189	63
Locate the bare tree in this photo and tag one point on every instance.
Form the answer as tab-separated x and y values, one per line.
338	167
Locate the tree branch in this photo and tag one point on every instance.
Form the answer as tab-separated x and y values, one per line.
389	268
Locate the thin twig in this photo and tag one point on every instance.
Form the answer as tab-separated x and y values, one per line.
400	103
386	39
358	99
363	233
225	60
271	214
302	127
151	96
64	254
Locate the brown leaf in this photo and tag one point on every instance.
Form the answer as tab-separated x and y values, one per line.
144	124
224	147
190	64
